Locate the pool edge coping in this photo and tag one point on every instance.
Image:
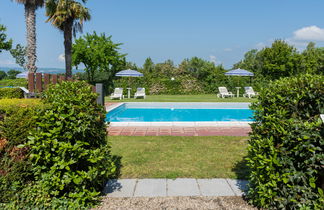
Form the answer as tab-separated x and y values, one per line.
182	124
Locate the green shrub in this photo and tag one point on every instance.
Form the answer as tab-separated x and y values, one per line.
34	196
286	149
13	82
11	93
16	121
158	86
70	155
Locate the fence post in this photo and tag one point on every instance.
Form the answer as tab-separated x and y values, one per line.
54	79
39	87
61	79
101	96
46	80
31	82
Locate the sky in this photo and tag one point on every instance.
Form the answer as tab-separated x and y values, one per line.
220	31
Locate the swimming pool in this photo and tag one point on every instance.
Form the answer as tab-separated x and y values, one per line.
180	112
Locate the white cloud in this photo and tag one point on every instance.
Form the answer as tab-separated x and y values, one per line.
309	33
296	43
260	45
61	58
212	58
228	49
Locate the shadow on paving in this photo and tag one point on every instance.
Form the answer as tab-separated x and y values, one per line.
242	172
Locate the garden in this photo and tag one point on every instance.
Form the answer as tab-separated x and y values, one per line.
55	152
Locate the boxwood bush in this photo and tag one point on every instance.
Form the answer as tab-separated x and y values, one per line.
16	121
69	151
11	93
286	148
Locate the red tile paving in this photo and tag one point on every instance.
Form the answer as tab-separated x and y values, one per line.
179	131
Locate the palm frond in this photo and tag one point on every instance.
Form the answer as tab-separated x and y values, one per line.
62	12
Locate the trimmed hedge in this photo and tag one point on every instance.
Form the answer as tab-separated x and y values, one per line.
16	121
54	152
11	93
286	148
158	86
69	151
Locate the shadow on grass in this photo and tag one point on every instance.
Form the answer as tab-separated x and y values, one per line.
117	161
241	169
112	184
242	172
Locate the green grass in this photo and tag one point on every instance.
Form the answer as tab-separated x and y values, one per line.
184	98
175	156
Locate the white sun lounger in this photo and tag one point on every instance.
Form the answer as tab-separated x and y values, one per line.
140	93
223	92
249	92
117	94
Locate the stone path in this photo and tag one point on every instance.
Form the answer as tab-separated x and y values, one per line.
174	187
178	131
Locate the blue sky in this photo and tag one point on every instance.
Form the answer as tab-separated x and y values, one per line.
217	30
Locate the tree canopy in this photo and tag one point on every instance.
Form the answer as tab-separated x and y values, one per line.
5	44
19	54
98	53
282	60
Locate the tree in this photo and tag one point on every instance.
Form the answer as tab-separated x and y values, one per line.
129	65
19	53
148	65
68	16
198	67
12	73
279	60
165	70
312	59
30	16
2	75
250	61
98	54
4	43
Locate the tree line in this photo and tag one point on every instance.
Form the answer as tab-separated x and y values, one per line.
102	60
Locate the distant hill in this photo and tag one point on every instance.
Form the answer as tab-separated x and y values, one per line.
41	70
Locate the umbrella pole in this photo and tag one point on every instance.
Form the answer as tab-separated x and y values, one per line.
129	88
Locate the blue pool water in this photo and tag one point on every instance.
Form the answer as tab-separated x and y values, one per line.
179	113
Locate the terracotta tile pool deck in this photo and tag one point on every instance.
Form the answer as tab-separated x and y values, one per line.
177	130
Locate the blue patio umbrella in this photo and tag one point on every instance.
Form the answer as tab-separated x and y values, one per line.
239	72
22	75
129	73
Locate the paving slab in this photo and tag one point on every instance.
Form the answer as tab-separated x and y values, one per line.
215	187
182	187
120	188
238	186
150	188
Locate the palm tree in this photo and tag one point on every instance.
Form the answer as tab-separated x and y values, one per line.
30	16
68	16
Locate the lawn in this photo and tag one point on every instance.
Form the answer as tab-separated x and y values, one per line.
183	98
176	156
